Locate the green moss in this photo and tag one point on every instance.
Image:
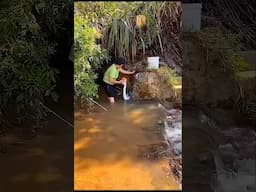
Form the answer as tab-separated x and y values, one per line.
222	48
170	76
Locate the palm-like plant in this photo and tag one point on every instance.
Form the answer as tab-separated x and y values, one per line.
140	29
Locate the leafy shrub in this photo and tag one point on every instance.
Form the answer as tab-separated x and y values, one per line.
26	48
125	35
88	56
174	82
115	24
25	76
170	75
222	48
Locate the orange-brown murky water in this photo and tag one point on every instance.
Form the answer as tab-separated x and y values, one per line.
106	150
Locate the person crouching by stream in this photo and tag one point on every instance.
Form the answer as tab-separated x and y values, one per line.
111	77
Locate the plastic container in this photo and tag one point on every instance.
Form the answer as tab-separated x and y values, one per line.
153	62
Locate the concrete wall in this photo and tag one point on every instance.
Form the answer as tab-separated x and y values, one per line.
191	17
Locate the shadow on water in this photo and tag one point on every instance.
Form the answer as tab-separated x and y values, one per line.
106	149
44	163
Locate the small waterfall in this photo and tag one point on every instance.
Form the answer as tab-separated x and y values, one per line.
173	129
173	136
239	178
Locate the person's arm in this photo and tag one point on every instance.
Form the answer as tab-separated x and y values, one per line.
112	80
126	72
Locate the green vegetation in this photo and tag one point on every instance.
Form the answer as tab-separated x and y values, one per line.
246	99
88	57
223	49
26	37
170	75
174	82
129	29
139	29
90	20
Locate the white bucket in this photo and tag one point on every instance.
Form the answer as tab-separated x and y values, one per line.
153	62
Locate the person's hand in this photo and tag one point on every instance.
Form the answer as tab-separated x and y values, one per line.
133	72
123	80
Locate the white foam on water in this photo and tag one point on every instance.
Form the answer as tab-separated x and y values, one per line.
173	132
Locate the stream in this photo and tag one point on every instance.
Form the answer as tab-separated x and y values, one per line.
109	149
219	154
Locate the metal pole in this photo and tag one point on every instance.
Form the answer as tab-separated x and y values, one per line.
98	104
57	115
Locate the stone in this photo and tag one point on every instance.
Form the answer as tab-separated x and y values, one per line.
150	85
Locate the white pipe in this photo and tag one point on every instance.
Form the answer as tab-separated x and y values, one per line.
57	115
125	95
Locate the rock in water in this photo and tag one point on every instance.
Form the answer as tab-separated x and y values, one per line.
150	85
